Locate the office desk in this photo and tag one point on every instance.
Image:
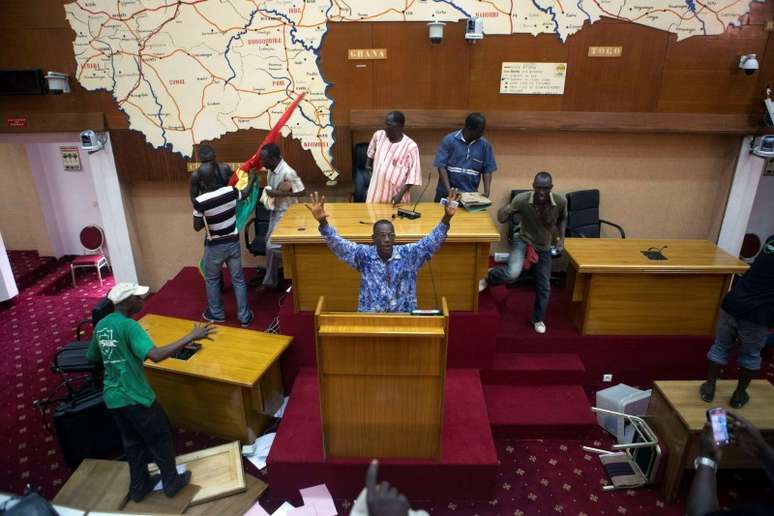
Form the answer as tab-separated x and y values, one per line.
456	268
677	415
229	388
618	291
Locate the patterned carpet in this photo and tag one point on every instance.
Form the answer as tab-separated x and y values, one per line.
535	478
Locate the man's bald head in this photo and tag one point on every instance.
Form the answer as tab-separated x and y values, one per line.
209	177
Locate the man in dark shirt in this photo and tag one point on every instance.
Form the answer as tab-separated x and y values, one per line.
747	313
543	220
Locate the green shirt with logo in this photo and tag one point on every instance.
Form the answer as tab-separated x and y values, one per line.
536	229
122	345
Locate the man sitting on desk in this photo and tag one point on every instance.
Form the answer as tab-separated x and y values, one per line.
388	272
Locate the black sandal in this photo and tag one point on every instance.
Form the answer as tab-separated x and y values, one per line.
739	400
707	392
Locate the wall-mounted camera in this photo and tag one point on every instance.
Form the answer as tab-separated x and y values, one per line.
748	63
92	142
435	31
57	82
474	30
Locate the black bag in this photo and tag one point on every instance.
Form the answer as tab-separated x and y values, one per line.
85	429
30	504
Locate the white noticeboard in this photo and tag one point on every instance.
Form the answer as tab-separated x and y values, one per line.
533	78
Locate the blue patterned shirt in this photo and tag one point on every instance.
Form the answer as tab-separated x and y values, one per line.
389	286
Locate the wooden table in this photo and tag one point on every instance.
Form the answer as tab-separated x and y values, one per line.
618	291
230	388
456	267
677	415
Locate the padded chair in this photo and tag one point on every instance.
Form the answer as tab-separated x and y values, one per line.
634	464
361	177
92	239
260	229
583	215
71	358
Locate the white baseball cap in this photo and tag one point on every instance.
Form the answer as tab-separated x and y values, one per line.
123	291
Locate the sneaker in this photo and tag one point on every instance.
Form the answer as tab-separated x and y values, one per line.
540	327
249	321
482	284
180	482
209	318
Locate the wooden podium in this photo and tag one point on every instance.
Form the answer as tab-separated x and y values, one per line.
381	383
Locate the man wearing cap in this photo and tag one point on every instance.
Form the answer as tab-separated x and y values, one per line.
122	345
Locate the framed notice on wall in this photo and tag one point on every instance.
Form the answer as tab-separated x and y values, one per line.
533	78
71	159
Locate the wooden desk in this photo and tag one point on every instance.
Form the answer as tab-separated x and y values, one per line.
618	291
457	266
677	415
229	388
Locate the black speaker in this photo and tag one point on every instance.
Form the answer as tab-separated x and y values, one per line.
86	430
22	82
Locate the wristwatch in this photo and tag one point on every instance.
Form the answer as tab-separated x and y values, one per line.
705	461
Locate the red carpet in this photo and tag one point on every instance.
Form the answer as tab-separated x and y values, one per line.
533	477
468	464
29	266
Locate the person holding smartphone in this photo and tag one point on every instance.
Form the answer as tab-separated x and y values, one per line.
703	496
388	272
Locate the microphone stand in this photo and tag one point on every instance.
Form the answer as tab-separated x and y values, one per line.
412	214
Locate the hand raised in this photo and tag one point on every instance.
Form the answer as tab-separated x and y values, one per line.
317	206
451	207
383	499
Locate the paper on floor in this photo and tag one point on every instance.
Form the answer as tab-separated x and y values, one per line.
281	411
320	498
259	450
283	509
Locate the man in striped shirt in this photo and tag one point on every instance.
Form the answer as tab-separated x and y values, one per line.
393	158
215	211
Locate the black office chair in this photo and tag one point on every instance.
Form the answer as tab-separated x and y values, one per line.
583	215
361	177
71	359
260	226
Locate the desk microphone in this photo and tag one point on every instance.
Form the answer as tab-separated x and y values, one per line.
412	213
653	253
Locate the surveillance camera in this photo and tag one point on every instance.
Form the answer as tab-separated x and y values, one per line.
749	64
435	31
92	142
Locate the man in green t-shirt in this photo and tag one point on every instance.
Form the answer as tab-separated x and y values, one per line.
123	345
543	221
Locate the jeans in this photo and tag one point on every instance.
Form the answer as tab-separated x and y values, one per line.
752	338
273	252
362	180
146	434
214	257
541	272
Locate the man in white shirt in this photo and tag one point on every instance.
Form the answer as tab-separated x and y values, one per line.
283	186
394	159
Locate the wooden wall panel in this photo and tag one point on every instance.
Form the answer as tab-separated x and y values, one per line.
352	82
701	75
418	73
486	61
627	83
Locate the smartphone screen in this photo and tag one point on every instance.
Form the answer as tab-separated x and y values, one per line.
717	418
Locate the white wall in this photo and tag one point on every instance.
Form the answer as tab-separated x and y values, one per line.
762	214
68	199
73	200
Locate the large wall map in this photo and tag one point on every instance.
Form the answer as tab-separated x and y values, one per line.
185	71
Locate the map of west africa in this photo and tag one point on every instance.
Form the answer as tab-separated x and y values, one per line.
185	71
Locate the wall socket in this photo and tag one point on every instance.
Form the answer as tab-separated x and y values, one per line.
607	377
